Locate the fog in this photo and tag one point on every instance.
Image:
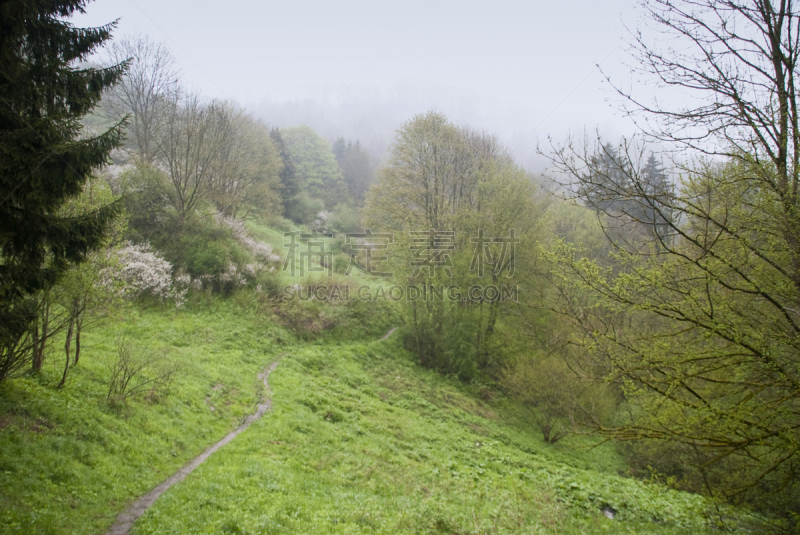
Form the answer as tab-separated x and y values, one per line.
522	70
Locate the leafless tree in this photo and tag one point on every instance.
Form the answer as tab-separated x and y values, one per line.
247	165
146	89
138	370
734	62
187	147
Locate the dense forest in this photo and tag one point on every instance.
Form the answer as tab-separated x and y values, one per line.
621	325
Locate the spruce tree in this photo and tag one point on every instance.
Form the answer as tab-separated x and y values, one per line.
656	199
290	184
603	189
45	156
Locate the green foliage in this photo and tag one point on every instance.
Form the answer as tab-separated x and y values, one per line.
361	439
557	399
208	249
454	180
420	186
303	208
345	218
205	257
316	168
310	318
247	167
443	337
706	366
271	283
86	293
357	166
43	161
289	181
71	462
145	191
203	250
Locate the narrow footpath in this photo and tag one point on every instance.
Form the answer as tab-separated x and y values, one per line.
126	519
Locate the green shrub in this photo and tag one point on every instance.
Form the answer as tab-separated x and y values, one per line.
444	339
303	208
202	257
146	196
345	218
341	261
270	283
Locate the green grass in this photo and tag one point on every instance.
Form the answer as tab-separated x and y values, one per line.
262	231
69	461
363	441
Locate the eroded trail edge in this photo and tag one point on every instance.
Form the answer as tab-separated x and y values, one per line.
125	520
388	334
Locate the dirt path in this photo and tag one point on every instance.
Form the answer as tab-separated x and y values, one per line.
125	520
387	335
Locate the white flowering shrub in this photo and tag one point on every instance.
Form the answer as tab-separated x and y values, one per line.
232	274
144	271
260	250
183	279
321	222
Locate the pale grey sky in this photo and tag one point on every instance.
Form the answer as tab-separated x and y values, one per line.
516	68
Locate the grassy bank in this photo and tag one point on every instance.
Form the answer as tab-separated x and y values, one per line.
70	460
361	440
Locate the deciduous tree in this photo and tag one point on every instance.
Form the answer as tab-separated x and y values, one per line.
314	164
145	91
459	184
246	169
704	336
188	146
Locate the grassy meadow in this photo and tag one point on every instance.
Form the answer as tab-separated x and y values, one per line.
360	440
70	460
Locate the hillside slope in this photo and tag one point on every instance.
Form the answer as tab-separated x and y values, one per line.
70	460
362	440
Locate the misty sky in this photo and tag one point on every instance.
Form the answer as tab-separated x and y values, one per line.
516	68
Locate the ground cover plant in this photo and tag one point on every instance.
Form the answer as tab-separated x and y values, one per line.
363	440
71	459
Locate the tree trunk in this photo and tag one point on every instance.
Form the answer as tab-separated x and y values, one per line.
45	324
36	363
67	343
78	327
416	335
39	337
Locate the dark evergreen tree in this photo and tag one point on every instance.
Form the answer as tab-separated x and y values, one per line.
635	197
655	198
340	148
358	170
607	183
290	184
45	157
